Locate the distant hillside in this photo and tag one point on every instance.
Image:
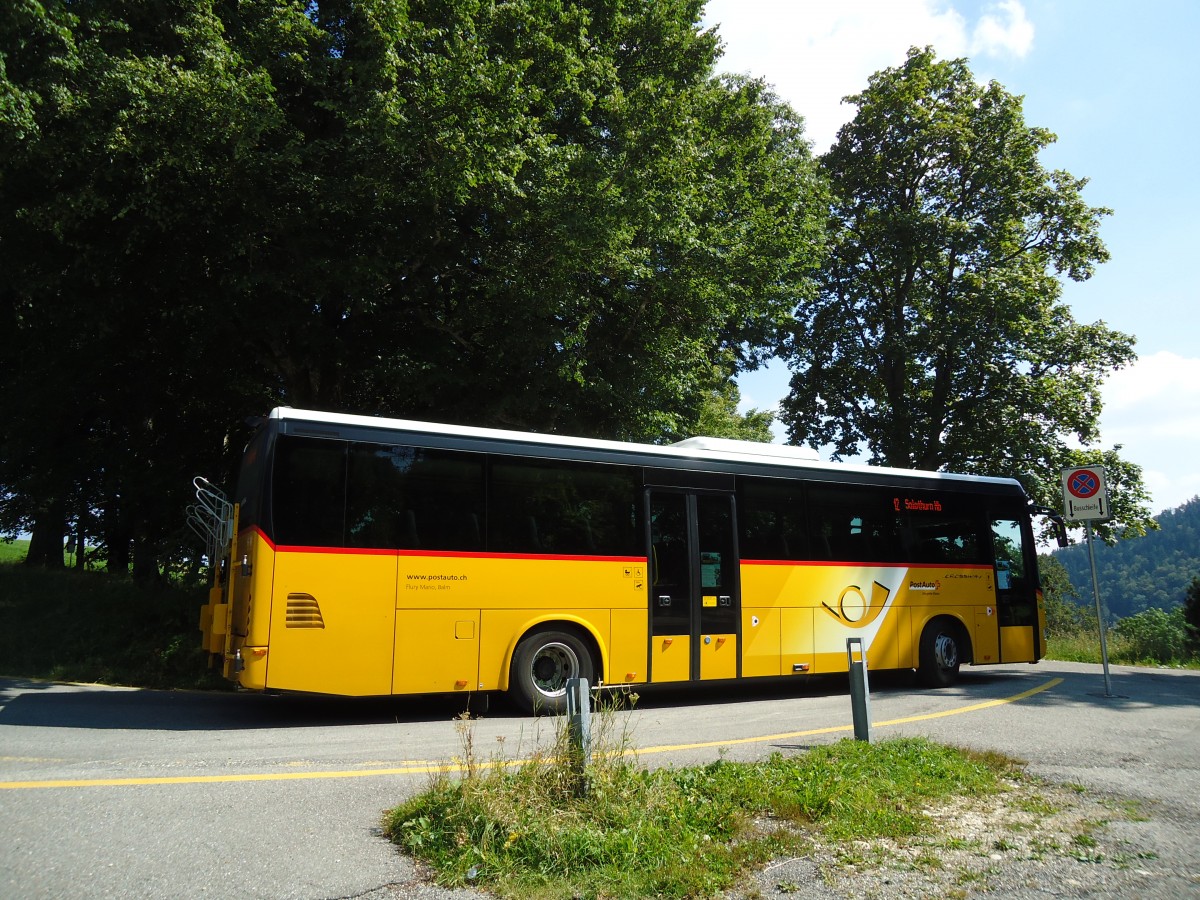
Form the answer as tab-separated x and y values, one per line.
1145	572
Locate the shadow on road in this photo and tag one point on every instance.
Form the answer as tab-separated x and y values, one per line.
50	705
46	705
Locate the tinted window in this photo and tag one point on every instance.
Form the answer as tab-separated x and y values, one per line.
413	498
771	517
541	506
850	523
309	492
942	527
670	564
251	481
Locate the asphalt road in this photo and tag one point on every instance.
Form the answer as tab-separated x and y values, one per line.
108	792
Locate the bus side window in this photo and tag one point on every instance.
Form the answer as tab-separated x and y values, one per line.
771	520
560	507
414	498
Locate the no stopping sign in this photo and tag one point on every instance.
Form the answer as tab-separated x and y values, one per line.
1085	493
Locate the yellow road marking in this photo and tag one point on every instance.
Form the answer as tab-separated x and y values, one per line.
790	735
425	768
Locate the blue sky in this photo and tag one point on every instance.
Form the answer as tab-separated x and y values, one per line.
1117	83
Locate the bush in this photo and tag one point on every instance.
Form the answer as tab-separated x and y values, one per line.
1154	636
68	625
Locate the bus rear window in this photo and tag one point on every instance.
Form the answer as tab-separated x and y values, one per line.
309	492
250	481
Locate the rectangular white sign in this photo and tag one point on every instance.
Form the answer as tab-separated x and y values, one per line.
1085	494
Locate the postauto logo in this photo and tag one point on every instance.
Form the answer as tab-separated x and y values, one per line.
852	607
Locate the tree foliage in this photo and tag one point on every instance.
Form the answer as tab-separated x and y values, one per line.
1191	614
540	213
719	417
1065	611
938	339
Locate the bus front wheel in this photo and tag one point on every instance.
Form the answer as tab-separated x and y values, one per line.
941	651
542	663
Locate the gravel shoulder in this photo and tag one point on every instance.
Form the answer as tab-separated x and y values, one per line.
1038	839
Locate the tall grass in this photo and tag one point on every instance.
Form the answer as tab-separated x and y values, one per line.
527	830
1124	648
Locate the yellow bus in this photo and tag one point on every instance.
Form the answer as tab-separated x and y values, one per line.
373	556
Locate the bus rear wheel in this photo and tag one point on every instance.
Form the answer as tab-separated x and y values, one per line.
542	664
941	651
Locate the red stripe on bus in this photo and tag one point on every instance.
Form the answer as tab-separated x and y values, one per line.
442	554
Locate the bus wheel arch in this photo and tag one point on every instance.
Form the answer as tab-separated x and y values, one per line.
545	657
944	647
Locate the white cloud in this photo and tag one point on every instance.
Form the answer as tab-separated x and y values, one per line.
1003	31
816	53
1152	409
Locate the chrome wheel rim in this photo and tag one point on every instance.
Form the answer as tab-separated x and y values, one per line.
945	651
550	668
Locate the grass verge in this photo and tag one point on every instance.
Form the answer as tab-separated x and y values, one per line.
13	551
528	831
1084	647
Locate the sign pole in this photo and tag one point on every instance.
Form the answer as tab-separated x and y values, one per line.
1099	610
1085	498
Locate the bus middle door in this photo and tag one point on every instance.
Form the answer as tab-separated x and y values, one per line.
694	590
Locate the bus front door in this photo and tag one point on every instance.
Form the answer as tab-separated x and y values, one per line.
694	590
1020	618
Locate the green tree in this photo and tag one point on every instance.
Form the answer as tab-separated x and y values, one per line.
1152	571
542	214
938	339
1191	615
117	196
1064	612
720	417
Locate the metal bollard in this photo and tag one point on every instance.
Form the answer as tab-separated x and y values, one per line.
579	728
860	692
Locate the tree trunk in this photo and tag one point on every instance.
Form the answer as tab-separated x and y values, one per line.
46	539
145	560
81	523
116	541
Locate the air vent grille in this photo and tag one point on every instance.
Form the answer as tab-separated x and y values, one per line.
303	611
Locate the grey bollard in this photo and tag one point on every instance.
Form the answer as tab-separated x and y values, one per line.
579	727
860	692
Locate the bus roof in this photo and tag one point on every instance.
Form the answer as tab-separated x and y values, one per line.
721	451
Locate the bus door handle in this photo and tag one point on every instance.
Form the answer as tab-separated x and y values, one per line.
664	600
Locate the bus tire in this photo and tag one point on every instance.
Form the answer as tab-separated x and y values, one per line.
541	665
943	645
